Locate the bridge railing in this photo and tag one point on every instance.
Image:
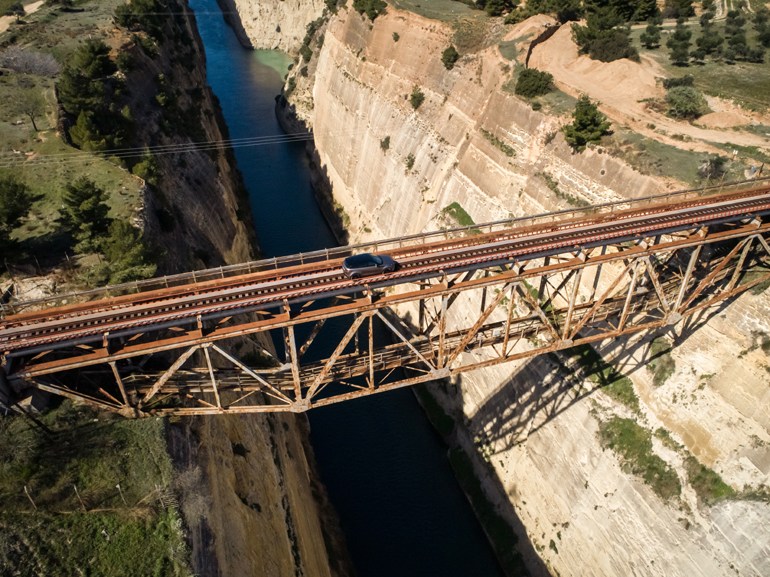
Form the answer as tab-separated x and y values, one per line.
380	246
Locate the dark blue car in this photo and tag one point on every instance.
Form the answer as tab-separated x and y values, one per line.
367	264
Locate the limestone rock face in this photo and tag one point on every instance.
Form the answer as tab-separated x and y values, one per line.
274	24
394	167
395	160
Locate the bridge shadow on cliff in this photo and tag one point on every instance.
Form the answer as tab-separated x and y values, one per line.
548	385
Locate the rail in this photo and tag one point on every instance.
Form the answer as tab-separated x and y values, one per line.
386	245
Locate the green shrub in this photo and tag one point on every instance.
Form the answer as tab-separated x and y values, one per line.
708	485
533	82
661	364
305	52
416	98
449	57
372	8
685	102
458	214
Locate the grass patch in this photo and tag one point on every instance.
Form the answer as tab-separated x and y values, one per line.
472	33
557	103
708	485
617	386
744	152
661	364
458	214
553	185
655	158
118	534
755	274
444	10
633	444
500	534
499	144
113	544
508	49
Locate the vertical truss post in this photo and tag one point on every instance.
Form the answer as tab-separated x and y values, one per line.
571	305
421	315
687	275
212	376
509	314
442	333
293	359
629	296
371	352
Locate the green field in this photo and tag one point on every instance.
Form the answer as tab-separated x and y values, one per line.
61	511
37	155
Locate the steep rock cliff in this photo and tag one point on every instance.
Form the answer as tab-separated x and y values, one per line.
273	24
393	167
247	488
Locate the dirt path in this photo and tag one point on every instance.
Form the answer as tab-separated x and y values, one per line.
6	21
622	87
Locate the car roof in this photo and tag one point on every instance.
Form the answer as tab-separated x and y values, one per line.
362	259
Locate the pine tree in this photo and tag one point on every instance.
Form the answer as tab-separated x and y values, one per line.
85	213
15	202
588	125
650	38
735	34
679	44
762	26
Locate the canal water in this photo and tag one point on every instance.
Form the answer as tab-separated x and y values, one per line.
401	509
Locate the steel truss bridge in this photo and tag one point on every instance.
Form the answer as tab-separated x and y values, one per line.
461	299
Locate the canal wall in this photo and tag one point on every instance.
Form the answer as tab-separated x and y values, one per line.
247	485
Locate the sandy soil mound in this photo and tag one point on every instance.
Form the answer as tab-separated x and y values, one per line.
623	87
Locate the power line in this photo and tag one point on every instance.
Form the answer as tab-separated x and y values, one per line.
13	158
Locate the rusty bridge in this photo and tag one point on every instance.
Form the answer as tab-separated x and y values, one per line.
293	333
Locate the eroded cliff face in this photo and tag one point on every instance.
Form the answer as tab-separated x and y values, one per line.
246	483
273	24
394	167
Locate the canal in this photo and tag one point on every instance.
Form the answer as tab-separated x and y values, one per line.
386	471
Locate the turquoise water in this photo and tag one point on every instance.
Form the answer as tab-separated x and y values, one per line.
386	471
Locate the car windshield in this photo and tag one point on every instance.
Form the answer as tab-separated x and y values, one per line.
361	260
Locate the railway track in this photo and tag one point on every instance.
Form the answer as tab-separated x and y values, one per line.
270	289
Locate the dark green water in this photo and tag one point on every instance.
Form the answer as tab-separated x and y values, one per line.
401	509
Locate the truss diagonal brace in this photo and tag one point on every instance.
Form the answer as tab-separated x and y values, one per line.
168	374
477	325
334	356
